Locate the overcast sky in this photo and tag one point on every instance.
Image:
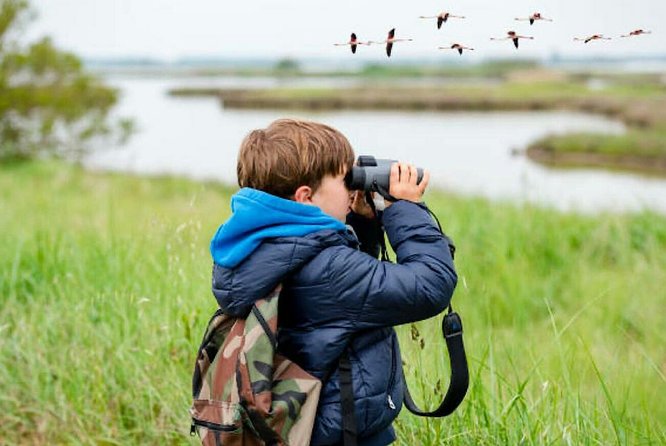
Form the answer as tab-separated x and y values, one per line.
171	29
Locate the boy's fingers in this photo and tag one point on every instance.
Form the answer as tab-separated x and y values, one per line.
404	173
424	182
359	198
413	174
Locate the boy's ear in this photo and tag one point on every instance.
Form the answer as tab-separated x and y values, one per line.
303	195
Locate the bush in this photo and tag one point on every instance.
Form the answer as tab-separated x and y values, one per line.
49	105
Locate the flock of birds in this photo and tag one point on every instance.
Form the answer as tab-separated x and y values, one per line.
443	17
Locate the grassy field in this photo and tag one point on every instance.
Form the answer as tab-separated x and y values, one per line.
104	288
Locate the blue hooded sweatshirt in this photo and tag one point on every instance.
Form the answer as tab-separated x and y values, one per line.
258	216
335	297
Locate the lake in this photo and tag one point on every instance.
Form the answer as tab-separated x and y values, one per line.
468	153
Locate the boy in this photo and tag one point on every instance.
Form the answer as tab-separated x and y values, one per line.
288	226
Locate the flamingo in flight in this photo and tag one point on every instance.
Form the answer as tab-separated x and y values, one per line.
390	40
511	35
636	32
353	43
533	18
456	46
591	38
442	17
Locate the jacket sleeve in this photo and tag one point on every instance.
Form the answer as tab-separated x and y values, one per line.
418	286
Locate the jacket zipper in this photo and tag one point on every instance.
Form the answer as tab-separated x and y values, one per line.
391	377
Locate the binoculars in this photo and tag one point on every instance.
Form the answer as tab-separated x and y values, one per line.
373	175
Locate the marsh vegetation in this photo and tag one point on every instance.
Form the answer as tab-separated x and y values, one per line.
105	290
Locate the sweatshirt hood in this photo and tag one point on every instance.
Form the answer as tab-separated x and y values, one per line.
258	216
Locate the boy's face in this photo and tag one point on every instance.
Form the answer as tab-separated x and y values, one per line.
333	197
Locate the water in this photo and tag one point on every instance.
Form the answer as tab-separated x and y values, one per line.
467	153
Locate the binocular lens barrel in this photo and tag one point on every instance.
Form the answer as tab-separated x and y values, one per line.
372	174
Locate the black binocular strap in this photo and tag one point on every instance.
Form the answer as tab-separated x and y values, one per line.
452	329
349	430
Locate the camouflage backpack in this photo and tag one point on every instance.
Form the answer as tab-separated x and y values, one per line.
245	393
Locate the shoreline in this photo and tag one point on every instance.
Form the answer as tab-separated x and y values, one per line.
644	114
636	112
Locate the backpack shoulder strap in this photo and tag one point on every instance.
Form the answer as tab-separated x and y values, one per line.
349	430
197	376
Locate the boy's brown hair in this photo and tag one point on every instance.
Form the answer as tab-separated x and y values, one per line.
290	153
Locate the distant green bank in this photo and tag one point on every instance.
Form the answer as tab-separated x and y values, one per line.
639	102
638	150
105	291
290	68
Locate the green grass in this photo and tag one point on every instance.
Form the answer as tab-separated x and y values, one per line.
104	288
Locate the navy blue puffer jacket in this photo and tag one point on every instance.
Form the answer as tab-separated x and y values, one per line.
335	294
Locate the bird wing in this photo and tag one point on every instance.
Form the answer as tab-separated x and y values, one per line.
515	42
353	37
440	20
389	47
353	48
391	33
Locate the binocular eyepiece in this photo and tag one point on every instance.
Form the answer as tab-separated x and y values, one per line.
373	175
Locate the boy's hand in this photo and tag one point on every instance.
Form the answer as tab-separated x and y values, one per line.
402	183
360	206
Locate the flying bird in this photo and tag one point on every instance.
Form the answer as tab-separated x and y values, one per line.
456	46
636	32
511	35
591	38
533	18
442	17
353	43
390	40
